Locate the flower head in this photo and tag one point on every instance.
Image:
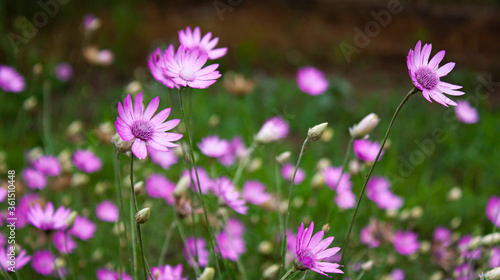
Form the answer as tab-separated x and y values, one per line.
83	228
466	113
46	219
367	150
287	173
231	197
91	22
274	129
21	258
406	242
311	251
63	242
193	246
206	183
168	272
312	81
105	274
493	209
10	80
107	211
158	186
378	191
230	240
34	178
135	123
156	64
426	75
212	146
255	192
86	161
332	175
48	165
192	40
43	262
165	159
63	72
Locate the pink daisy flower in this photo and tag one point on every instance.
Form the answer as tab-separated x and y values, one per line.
255	192
43	263
230	240
46	219
466	113
212	146
194	245
83	228
332	174
492	210
86	161
367	150
133	123
237	150
105	274
63	242
378	190
368	235
21	258
34	178
158	186
311	81
10	80
206	182
168	272
397	274
107	211
63	72
311	251
156	64
274	129
406	242
192	40
225	189
185	68
345	199
426	75
48	165
165	159
287	173
22	210
442	235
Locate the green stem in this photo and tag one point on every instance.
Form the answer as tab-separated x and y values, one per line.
180	228
283	246
289	273
132	235
164	248
344	167
243	163
408	95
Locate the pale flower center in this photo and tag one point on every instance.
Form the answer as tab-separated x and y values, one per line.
187	74
142	129
426	77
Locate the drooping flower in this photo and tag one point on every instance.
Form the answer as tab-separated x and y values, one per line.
135	123
105	274
426	74
43	262
34	178
21	258
493	209
274	129
107	211
83	228
168	272
406	242
48	165
230	240
165	159
63	242
287	173
156	64
225	189
194	246
158	186
192	40
212	146
311	81
10	80
255	192
312	251
466	113
86	161
367	150
63	72
185	68
46	219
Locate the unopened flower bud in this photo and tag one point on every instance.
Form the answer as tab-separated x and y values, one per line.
454	194
79	179
142	216
122	146
318	180
455	222
364	127
271	271
323	163
314	133
493	274
354	167
425	246
326	227
138	187
417	212
438	275
254	165
133	87
265	247
29	103
74	128
283	157
208	274
71	219
367	266
213	121
181	186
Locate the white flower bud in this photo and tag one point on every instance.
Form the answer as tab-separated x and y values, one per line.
122	146
138	187
265	247
314	133
493	274
365	126
142	216
454	194
71	219
181	186
208	274
271	271
283	157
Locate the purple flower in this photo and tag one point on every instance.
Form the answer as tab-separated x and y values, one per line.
21	258
367	150
165	159
274	129
406	242
3	194
312	251
287	173
442	235
378	191
34	178
345	199
22	210
425	75
10	80
167	273
194	245
312	81
463	244
107	211
368	235
105	274
63	72
83	228
331	175
230	240
133	123
156	64
466	113
63	242
212	146
255	192
193	41
86	161
237	150
48	165
493	209
495	257
397	274
158	186
224	188
185	68
291	242
206	182
42	262
46	219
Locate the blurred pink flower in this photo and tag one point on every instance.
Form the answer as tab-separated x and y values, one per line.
158	186
368	235
46	219
207	184
237	150
135	123
230	240
331	175
105	274
107	211
194	245
495	257
287	173
255	192
48	165
406	242
442	236
466	113
378	190
63	242
42	262
3	194
345	199
185	68
291	242
493	209
165	159
225	189
426	75
21	258
10	80
312	250
274	129
22	210
212	146
192	40
86	161
312	81
34	178
83	228
397	274
167	272
462	246
63	72
156	64
367	150
3	240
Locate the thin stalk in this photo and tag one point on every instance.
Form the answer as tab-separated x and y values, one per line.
17	275
132	235
164	248
243	163
408	95
180	228
283	246
5	272
304	276
289	273
344	166
46	117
